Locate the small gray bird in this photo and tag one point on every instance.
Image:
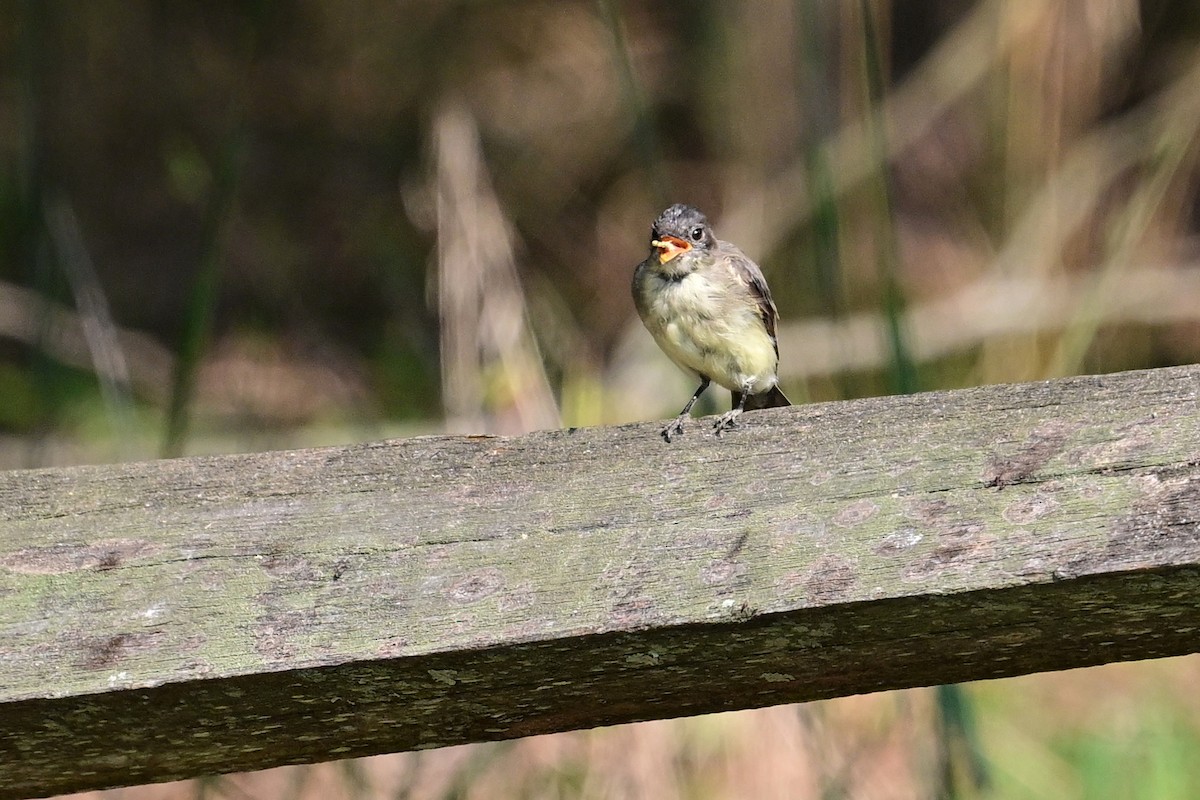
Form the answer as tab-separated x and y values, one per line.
708	307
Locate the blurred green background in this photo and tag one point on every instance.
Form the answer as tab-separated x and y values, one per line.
234	226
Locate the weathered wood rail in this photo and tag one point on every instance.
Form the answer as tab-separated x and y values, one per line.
201	615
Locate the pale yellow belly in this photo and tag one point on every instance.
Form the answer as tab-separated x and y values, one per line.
721	339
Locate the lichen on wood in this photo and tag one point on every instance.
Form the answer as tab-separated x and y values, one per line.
173	618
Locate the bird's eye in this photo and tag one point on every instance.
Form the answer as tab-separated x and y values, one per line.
697	234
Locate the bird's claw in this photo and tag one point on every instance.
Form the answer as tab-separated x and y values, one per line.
674	429
726	421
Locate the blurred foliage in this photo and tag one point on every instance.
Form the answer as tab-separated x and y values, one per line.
246	225
871	157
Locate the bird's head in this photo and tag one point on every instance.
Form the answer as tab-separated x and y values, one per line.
680	231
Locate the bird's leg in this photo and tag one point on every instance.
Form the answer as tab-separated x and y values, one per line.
726	420
676	427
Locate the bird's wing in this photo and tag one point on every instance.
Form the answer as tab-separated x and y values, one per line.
749	274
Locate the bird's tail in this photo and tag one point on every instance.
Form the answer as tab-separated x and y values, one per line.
755	402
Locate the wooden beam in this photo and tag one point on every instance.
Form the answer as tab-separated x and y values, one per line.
203	615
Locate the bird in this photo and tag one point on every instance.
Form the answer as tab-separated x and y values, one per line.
708	307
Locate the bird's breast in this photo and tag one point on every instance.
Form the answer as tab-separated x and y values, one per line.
708	328
693	297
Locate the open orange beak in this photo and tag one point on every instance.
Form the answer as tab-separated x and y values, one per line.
669	247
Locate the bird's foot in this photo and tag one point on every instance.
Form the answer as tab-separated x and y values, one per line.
675	428
726	421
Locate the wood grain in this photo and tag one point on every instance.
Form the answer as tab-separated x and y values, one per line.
204	615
